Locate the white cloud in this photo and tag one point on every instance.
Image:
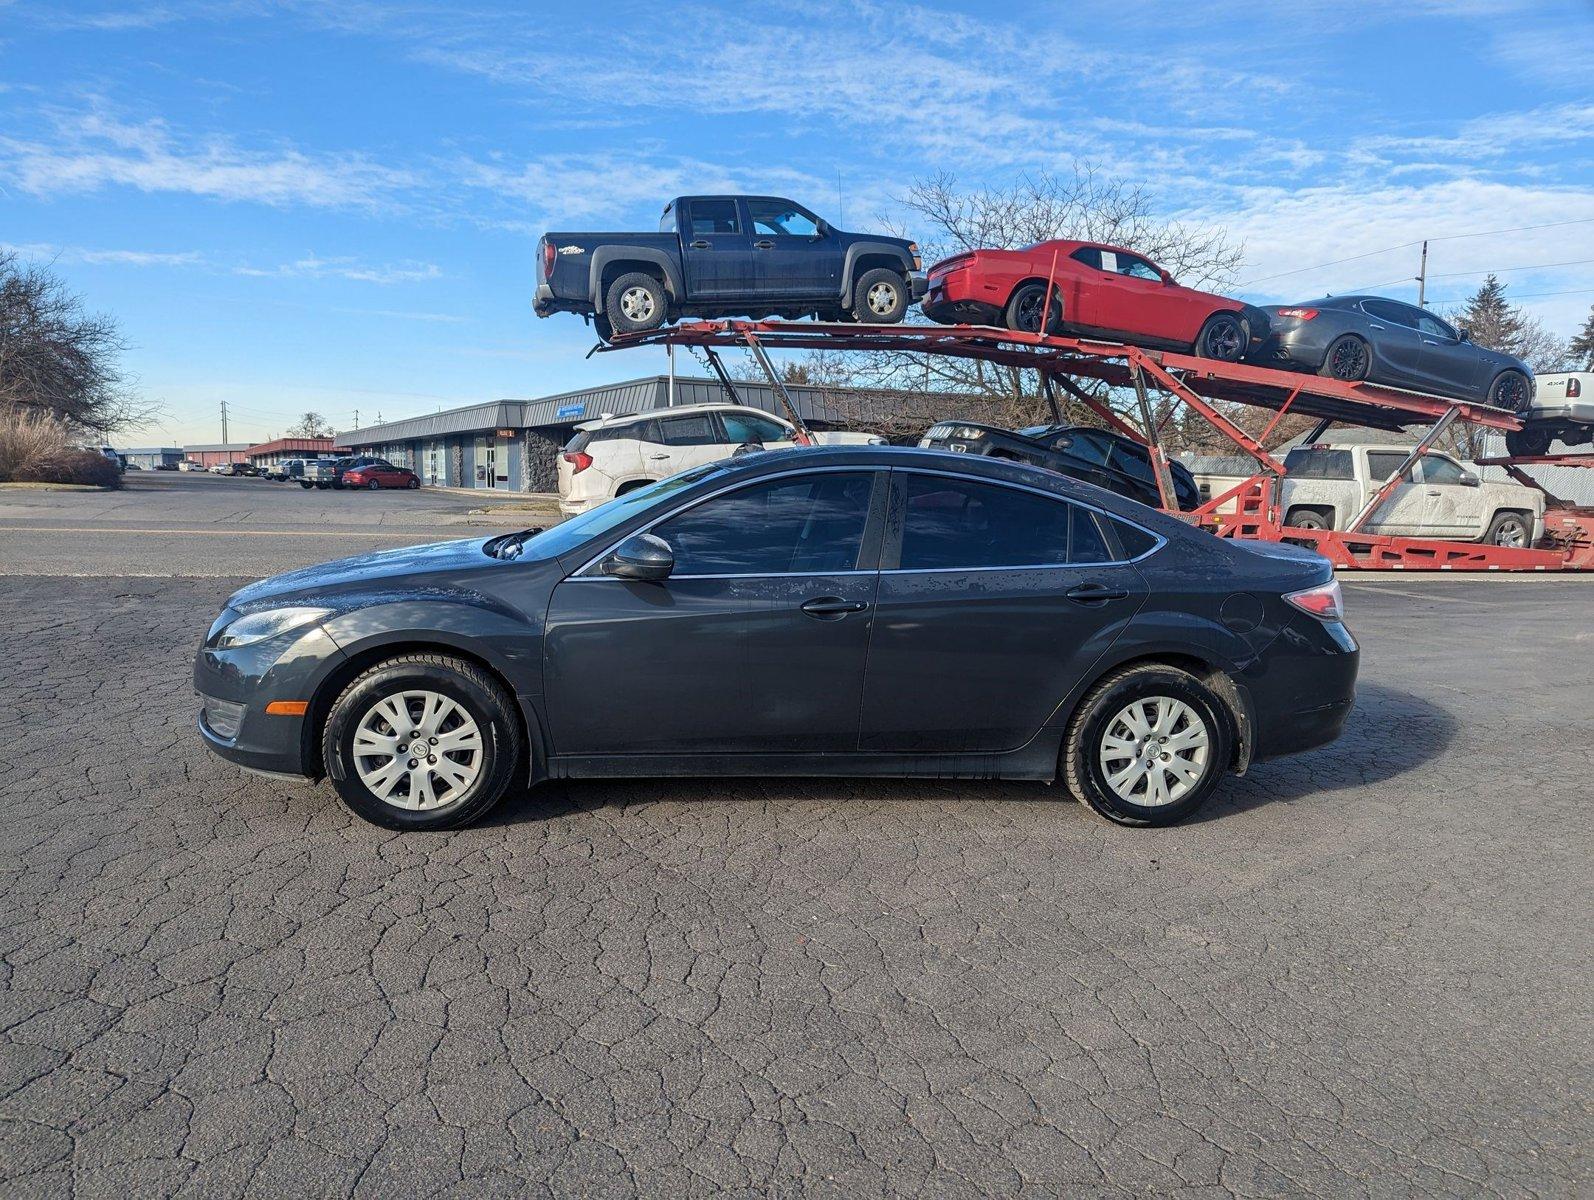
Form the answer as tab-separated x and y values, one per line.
313	267
92	151
128	258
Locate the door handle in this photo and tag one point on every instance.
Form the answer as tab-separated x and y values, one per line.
1429	342
831	607
700	244
1380	328
657	457
1095	593
1436	493
763	245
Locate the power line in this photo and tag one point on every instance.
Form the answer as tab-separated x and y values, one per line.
1448	237
1576	262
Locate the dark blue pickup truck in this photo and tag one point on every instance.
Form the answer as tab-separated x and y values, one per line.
727	256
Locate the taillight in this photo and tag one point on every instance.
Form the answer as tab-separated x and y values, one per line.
579	461
1323	602
1300	314
549	253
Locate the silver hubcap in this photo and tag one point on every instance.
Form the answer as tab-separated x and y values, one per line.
1509	535
1154	751
636	303
417	750
882	298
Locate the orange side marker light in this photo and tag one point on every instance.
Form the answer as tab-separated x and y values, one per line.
287	708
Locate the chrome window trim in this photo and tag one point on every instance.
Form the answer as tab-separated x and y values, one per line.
580	576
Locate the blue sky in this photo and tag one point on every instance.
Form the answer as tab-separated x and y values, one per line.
334	206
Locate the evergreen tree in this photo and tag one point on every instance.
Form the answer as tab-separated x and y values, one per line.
1490	321
1582	348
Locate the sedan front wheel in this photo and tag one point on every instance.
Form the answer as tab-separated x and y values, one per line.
422	742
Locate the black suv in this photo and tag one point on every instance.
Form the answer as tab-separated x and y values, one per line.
1098	456
727	256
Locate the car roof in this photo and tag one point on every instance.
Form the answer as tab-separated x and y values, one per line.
672	411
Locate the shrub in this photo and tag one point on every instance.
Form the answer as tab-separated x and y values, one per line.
37	448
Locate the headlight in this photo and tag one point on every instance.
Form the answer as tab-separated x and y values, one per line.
968	433
257	627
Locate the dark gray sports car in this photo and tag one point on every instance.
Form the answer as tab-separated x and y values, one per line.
1384	341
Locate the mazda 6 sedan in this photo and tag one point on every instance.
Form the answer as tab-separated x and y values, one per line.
844	611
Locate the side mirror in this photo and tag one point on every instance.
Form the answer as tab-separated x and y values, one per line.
1464	334
821	229
1167	279
1468	479
645	556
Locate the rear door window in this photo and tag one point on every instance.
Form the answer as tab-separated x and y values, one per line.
958	524
1381	464
714	216
689	431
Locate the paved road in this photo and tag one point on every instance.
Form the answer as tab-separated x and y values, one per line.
193	525
1363	971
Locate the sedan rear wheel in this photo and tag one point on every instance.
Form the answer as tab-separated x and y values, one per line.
1348	359
1147	746
373	485
422	742
1024	310
1223	338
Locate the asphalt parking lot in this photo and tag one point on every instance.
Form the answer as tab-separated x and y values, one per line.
1364	971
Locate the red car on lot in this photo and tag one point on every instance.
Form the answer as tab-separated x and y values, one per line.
1099	290
376	473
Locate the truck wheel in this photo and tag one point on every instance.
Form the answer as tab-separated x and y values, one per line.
1511	530
1024	310
635	303
1512	391
1348	359
881	297
306	484
1529	442
1223	338
1147	746
1306	518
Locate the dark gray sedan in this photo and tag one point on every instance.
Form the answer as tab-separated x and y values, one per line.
1370	338
844	611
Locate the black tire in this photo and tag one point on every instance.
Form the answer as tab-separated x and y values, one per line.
1223	338
374	486
1023	312
635	303
600	324
1512	391
306	484
323	486
474	691
413	484
1529	442
1101	709
881	297
1510	529
1306	518
1347	359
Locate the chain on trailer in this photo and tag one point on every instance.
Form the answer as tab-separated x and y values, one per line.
1199	384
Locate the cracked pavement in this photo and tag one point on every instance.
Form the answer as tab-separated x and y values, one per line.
1364	971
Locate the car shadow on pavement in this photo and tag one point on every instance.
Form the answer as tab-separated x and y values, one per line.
1389	733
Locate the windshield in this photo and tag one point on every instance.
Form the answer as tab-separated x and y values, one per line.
566	536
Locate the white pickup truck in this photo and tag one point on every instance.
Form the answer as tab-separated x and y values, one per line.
1327	485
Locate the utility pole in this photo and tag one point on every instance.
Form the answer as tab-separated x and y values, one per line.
224	423
1422	279
356	418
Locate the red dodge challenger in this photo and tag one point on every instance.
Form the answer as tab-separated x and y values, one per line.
1103	291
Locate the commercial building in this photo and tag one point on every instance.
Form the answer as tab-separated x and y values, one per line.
269	454
152	458
514	445
214	454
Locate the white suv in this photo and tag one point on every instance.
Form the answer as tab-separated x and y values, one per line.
613	456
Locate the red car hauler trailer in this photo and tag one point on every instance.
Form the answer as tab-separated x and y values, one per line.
1568	544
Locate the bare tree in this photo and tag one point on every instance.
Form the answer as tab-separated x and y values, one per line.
311	425
1080	203
56	358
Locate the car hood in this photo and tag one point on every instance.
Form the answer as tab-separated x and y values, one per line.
364	569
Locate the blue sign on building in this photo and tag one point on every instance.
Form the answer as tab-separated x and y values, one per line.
569	410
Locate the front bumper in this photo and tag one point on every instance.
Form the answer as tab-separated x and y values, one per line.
237	685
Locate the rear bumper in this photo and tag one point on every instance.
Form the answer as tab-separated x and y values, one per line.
1305	688
958	298
544	303
1295	348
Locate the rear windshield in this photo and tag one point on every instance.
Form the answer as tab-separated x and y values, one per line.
579	442
1309	463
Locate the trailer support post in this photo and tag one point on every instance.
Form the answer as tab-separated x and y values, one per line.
1159	460
779	385
1389	485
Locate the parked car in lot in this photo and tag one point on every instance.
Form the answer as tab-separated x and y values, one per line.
617	455
842	611
1327	485
189	464
376	473
1354	338
727	256
1096	289
1562	411
1097	456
